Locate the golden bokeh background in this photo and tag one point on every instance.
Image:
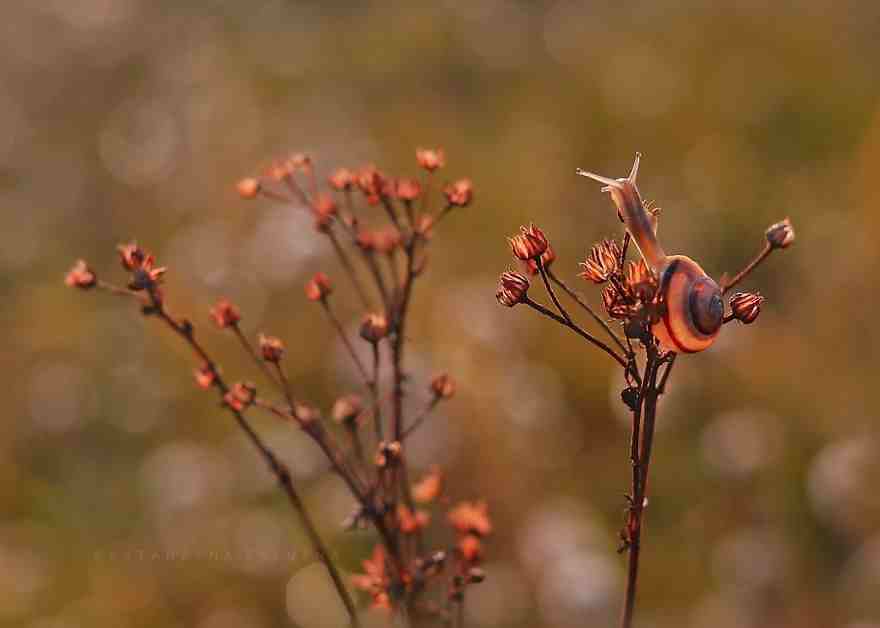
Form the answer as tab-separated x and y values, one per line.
128	499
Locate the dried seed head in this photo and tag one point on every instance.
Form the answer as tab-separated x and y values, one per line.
411	522
341	179
431	158
81	276
372	183
615	304
318	288
131	256
386	240
746	306
387	453
204	376
513	288
374	327
408	189
365	240
324	206
240	396
443	386
346	409
460	193
547	260
225	313
471	549
780	235
271	348
428	488
530	243
248	188
640	281
471	518
602	262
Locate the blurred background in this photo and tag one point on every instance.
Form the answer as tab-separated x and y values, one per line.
127	498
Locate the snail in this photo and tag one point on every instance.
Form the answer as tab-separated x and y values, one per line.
692	311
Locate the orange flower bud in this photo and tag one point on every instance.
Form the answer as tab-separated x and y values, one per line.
205	376
443	386
346	409
225	314
530	243
746	306
408	189
81	276
460	193
431	158
248	188
341	179
318	288
512	288
781	234
271	348
374	327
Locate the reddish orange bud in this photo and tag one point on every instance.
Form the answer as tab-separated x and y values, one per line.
81	276
205	376
602	262
513	288
131	256
616	305
271	348
240	396
324	205
347	409
424	225
318	288
374	327
365	240
387	453
386	240
746	306
145	274
411	522
547	260
279	171
408	189
341	179
428	488
431	158
248	188
530	243
470	547
460	193
372	183
443	386
225	314
781	234
471	518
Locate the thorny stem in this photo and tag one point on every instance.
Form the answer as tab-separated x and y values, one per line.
745	272
575	328
279	469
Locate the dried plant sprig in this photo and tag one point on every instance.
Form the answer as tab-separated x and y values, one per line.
663	304
391	257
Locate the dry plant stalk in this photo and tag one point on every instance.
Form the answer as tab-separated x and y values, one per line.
663	305
382	264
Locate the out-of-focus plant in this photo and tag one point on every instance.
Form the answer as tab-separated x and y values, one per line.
365	442
663	304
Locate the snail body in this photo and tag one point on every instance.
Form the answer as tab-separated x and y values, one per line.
691	304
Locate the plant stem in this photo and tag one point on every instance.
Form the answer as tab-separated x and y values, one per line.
745	272
582	302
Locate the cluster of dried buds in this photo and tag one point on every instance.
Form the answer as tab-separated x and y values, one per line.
379	228
663	305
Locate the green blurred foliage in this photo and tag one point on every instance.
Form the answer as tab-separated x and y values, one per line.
128	499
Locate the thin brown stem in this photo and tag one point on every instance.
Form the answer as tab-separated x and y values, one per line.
285	385
252	352
421	418
745	272
373	385
543	272
279	469
345	340
576	329
579	299
349	269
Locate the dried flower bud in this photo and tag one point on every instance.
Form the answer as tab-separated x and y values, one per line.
225	314
81	276
431	158
513	288
443	386
341	179
387	453
780	235
428	488
279	171
746	306
424	225
372	183
374	327
616	305
602	262
530	243
411	522
346	409
248	188
547	260
408	189
324	206
386	240
365	240
470	547
318	288
240	396
640	281
131	256
271	348
205	376
471	518
460	193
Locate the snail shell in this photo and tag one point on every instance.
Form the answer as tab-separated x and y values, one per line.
690	300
